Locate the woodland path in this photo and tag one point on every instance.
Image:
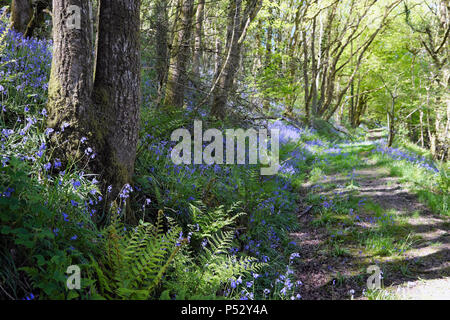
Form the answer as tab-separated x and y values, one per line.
330	271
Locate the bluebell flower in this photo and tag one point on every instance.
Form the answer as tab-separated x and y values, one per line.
65	216
76	184
57	163
30	297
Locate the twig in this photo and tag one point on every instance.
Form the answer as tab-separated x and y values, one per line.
305	211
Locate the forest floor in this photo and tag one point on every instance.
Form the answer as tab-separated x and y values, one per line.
388	228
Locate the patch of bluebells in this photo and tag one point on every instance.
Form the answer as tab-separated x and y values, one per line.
288	133
399	154
25	61
30	60
24	69
185	183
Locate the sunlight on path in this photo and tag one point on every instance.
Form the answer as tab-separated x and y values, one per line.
436	289
331	269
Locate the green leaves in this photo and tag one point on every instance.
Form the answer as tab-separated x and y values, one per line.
209	223
204	276
135	261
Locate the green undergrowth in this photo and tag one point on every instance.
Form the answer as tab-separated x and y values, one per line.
203	231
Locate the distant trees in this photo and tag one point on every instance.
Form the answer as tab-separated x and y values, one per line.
335	39
94	99
433	33
308	60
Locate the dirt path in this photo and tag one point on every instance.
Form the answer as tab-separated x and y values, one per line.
421	272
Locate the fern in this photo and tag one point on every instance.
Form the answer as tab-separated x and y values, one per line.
222	266
135	262
205	276
207	224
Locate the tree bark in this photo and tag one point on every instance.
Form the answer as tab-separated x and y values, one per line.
104	110
238	24
21	15
116	93
391	123
71	79
422	142
161	26
198	39
229	67
177	81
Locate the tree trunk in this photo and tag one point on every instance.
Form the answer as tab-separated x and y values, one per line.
306	78
104	110
238	24
229	68
69	93
422	142
268	60
116	94
21	15
177	80
198	40
217	61
161	26
391	123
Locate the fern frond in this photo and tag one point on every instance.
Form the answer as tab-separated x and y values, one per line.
134	264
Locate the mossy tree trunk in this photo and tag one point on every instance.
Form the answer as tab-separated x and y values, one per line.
198	40
71	79
116	93
177	79
105	108
160	22
21	15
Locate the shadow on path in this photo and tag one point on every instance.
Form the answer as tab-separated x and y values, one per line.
421	272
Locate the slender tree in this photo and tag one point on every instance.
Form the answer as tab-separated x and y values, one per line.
177	79
239	20
198	38
160	21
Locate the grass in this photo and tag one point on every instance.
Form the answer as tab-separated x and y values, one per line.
431	187
339	251
379	294
357	226
384	244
